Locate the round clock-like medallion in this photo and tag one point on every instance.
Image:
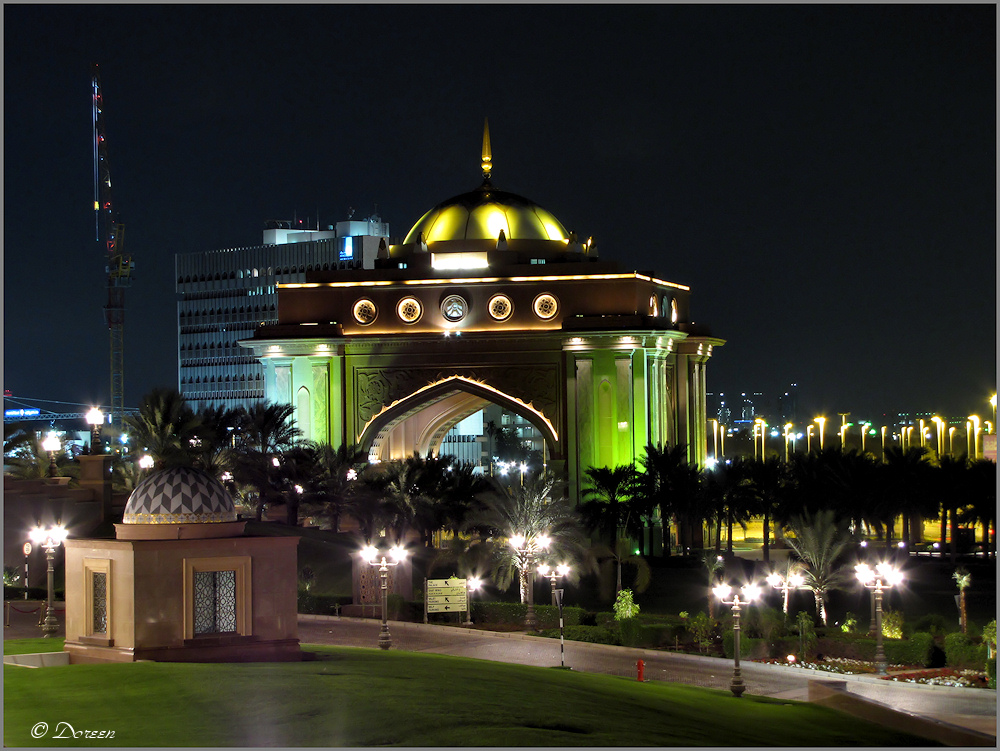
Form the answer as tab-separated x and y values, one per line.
409	309
545	306
500	307
365	312
454	308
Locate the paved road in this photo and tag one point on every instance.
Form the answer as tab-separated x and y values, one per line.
971	708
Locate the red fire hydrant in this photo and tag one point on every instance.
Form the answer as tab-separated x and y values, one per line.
641	667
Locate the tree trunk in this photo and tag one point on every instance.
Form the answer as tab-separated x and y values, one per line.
767	534
718	534
962	611
729	532
820	607
953	542
944	528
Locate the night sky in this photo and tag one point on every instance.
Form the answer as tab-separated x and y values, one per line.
824	178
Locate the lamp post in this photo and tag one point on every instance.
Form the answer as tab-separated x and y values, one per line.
951	440
939	423
822	425
50	539
523	467
95	418
52	445
809	439
843	437
722	439
750	593
146	462
883	577
370	555
787	434
864	429
553	572
526	547
794	580
974	434
883	442
906	433
923	437
715	438
471	585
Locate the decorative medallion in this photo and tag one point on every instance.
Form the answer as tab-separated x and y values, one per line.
454	308
500	307
545	306
409	310
365	312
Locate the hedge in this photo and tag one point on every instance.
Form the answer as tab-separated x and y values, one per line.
513	614
34	593
321	604
591	634
961	652
991	672
917	650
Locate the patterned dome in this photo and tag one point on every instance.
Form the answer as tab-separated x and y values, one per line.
182	495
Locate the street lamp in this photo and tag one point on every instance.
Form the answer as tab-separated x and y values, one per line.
370	554
750	593
471	585
822	425
974	434
883	577
923	437
553	572
794	580
809	439
95	418
715	438
883	442
864	429
526	547
951	440
787	434
843	436
50	539
523	467
906	433
146	462
940	433
52	444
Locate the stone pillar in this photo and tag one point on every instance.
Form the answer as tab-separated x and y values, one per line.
95	475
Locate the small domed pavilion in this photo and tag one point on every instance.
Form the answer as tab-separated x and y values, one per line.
181	582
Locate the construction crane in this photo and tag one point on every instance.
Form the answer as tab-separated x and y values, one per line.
118	264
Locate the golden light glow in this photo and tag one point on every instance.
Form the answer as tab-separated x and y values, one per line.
479	384
553	230
495	220
486	280
459	261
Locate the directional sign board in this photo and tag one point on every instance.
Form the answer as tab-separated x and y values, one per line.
447	596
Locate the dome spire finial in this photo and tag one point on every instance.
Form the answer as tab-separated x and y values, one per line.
487	154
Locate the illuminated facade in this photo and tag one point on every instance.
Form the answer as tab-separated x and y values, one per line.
489	300
226	294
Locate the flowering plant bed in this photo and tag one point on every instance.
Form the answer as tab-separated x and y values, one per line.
841	665
942	677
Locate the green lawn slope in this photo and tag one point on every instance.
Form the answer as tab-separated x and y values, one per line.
366	697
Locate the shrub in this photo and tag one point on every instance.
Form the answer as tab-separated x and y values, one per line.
892	624
321	604
701	629
990	636
991	672
917	650
961	652
748	645
934	624
629	629
850	624
625	606
513	614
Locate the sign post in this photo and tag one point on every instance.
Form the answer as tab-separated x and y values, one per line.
446	596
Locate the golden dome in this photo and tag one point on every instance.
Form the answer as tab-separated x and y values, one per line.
482	214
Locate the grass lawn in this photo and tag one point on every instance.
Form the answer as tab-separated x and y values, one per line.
366	697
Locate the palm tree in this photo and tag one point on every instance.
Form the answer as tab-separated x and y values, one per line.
329	491
952	486
983	502
670	483
962	580
266	431
820	542
535	509
165	426
607	508
611	559
732	495
770	478
906	479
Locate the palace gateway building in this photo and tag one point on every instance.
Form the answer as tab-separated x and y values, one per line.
489	306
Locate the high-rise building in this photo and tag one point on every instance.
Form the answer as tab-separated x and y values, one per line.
226	294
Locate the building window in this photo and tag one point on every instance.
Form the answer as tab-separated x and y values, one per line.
500	307
100	601
214	602
217	596
545	306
